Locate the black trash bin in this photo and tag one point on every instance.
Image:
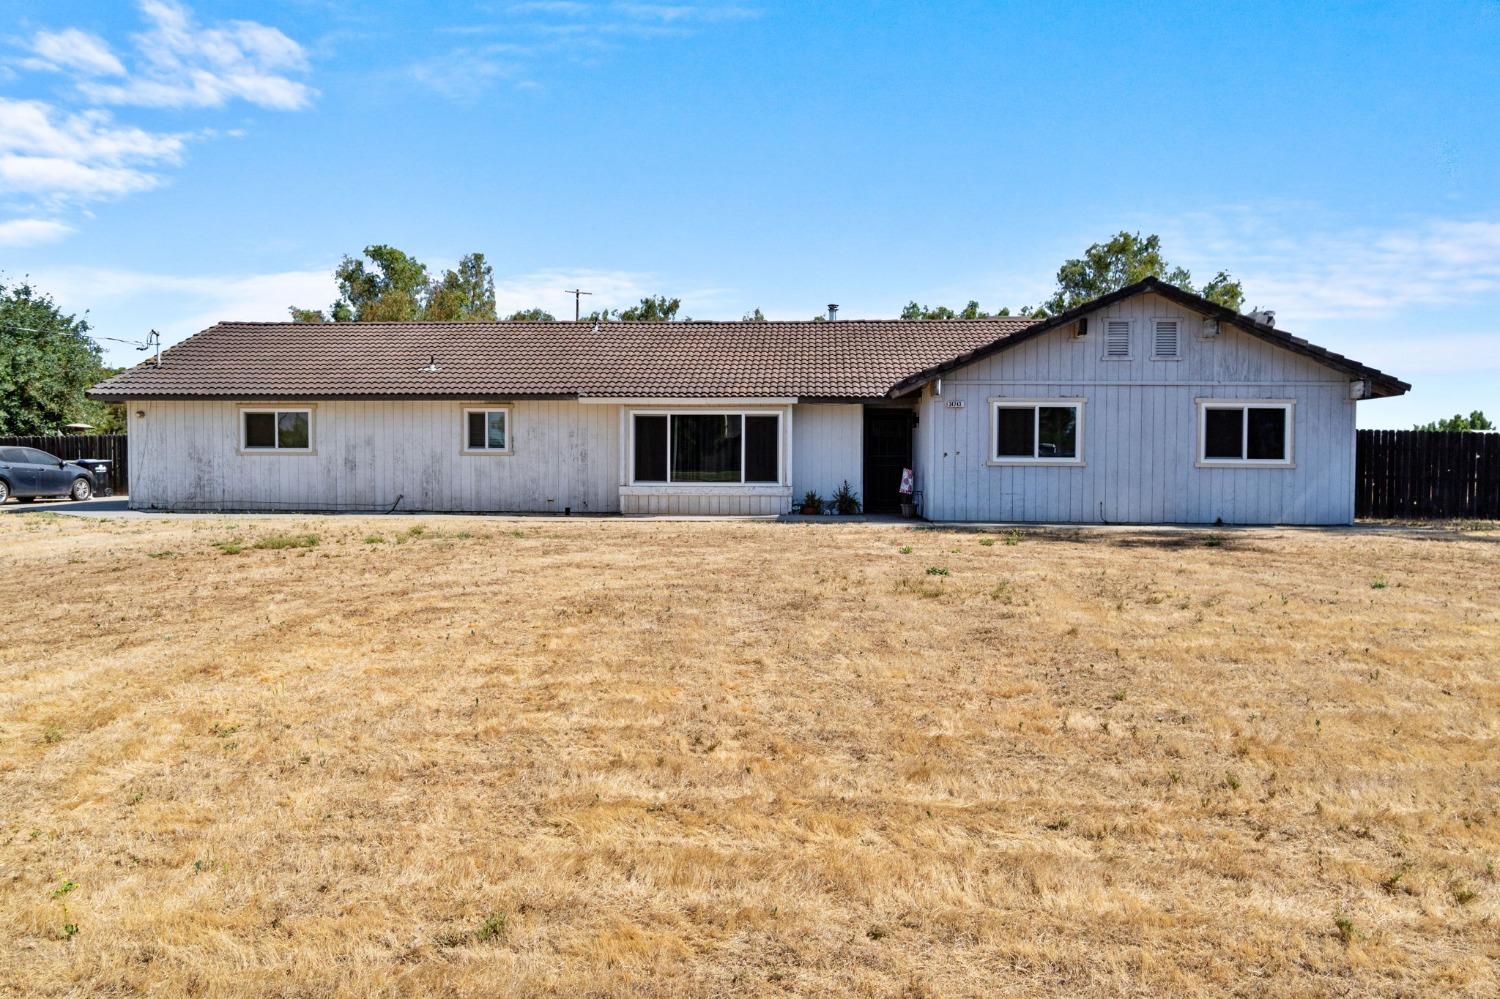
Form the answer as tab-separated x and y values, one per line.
99	468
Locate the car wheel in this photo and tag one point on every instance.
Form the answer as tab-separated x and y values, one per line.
4	490
81	490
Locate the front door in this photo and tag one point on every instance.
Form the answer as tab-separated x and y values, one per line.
887	451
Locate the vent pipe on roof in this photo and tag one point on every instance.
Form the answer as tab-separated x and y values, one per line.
833	311
1266	317
432	365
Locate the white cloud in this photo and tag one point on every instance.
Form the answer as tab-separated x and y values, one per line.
76	50
79	156
545	290
560	31
1308	268
50	156
184	65
31	232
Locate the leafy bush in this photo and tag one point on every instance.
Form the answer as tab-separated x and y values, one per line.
845	501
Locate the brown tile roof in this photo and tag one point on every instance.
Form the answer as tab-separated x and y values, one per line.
841	359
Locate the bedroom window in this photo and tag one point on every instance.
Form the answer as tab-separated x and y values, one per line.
698	448
276	430
1036	431
487	431
1253	432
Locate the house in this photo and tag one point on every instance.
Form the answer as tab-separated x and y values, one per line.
1148	405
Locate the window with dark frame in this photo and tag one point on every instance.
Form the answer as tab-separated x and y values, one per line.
1247	433
1035	431
487	430
277	430
706	448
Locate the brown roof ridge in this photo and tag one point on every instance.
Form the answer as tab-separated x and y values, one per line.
615	323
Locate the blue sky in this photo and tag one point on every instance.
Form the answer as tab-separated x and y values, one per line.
167	164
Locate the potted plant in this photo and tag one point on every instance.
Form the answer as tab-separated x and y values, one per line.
812	503
845	501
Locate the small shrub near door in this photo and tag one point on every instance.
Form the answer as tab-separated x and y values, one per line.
845	501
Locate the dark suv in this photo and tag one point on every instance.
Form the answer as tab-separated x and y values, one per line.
27	473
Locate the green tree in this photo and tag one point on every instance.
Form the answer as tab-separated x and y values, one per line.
531	316
660	309
1123	260
753	316
47	361
1458	421
463	295
389	285
653	310
969	311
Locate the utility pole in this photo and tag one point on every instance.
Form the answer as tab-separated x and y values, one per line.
577	297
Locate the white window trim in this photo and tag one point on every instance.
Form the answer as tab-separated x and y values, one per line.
998	402
781	451
1180	328
1104	354
1204	405
510	432
312	428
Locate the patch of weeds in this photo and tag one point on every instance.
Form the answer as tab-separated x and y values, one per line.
136	799
1390	884
63	889
936	570
920	587
412	533
52	735
1174	777
493	928
1057	825
1001	591
1214	541
68	931
1378	584
1118	695
1012	537
231	547
161	554
278	542
1463	895
876	933
1231	781
1345	927
222	731
904	549
987	542
374	539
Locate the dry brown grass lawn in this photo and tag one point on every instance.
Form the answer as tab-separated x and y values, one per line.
511	757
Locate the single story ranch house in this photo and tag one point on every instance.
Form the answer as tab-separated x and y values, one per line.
1148	405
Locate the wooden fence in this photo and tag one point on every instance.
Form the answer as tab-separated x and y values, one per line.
109	447
1427	474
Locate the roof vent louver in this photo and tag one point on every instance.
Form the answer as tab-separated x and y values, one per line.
432	366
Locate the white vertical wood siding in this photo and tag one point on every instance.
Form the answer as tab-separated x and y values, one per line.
1140	431
828	448
185	455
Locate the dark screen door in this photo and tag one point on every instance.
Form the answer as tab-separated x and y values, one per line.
887	452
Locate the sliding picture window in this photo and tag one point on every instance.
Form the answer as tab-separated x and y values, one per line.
706	448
